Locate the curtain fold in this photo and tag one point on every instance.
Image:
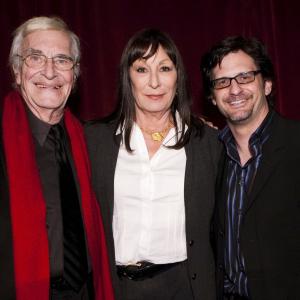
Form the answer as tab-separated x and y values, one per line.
105	26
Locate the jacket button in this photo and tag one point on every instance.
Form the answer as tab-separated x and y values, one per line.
191	242
221	233
221	267
194	276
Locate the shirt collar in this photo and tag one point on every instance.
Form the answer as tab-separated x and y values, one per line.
263	131
257	138
39	128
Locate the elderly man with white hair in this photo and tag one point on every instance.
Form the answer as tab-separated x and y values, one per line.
52	241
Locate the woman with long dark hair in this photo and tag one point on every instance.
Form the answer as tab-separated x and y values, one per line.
154	166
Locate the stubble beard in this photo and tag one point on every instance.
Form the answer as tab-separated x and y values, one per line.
240	117
243	115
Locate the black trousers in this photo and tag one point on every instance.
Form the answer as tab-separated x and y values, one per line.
86	293
173	283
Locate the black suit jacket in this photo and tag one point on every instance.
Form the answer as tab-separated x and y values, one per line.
270	230
200	176
7	282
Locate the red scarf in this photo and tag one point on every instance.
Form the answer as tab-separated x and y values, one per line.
28	207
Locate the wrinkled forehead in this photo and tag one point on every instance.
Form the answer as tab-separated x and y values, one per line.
47	42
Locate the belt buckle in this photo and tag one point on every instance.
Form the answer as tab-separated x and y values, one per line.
136	271
132	270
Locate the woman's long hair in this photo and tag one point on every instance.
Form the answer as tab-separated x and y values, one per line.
143	45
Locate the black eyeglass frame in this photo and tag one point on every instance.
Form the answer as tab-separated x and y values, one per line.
236	78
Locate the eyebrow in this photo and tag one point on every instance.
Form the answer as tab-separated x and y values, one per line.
165	60
36	51
143	60
230	77
33	51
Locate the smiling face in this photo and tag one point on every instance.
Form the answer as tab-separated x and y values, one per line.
241	103
153	83
46	89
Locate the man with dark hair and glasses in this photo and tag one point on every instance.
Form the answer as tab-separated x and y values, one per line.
52	241
256	227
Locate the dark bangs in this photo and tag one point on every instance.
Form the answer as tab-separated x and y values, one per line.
152	39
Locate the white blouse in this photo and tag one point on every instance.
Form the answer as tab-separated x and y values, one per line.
149	214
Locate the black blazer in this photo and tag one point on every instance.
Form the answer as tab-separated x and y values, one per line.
200	177
270	231
7	284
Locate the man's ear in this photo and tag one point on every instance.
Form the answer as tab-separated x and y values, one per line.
268	87
17	74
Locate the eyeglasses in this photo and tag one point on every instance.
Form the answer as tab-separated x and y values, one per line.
242	78
60	62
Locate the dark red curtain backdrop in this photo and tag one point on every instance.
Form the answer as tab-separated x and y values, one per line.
104	26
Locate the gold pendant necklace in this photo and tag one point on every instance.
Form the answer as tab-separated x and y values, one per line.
158	136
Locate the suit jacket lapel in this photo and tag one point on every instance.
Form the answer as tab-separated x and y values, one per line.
188	174
221	188
109	161
271	156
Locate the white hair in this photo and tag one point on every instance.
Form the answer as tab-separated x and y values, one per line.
42	23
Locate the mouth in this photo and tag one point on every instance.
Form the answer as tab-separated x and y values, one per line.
236	103
45	86
155	97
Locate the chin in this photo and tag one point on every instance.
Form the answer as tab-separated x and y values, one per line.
51	103
239	119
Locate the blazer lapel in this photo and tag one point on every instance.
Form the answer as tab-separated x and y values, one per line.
272	154
221	187
109	160
188	174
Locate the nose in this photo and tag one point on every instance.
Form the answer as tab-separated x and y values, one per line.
234	87
49	68
154	81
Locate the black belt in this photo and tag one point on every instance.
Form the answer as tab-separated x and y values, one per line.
143	269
